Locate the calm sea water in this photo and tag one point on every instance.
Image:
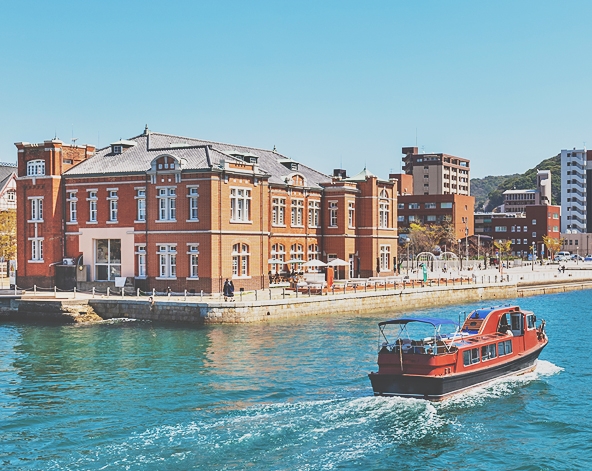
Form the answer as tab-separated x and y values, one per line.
289	395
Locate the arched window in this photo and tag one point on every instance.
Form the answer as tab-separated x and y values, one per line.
278	252
240	260
36	167
383	209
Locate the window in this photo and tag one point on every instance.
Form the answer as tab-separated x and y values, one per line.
240	260
430	206
385	256
534	235
35	167
37	209
37	249
446	205
534	222
431	218
141	203
470	357
530	321
240	205
401	218
107	259
167	256
112	198
278	211
488	352
555	216
501	228
383	210
278	252
504	348
72	204
193	260
92	206
297	253
117	149
525	241
297	213
193	196
525	229
141	253
333	213
413	205
313	213
313	252
401	206
351	215
513	241
167	204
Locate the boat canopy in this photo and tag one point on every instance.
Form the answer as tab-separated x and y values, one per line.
426	320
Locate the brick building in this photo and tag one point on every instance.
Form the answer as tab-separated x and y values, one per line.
166	211
437	174
523	229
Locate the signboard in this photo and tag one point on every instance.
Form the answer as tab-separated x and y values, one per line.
12	273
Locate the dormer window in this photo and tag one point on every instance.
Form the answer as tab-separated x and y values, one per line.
294	166
117	149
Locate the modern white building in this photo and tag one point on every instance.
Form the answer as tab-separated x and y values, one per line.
574	196
515	201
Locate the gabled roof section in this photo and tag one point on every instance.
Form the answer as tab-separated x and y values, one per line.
362	177
196	153
6	172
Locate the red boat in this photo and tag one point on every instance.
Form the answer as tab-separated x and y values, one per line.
491	343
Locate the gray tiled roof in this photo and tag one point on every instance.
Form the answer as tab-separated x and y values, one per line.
6	170
138	158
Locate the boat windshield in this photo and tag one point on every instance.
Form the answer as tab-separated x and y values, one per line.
417	335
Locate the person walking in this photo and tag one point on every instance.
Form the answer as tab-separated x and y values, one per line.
228	290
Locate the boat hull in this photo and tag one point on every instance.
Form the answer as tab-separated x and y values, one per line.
436	388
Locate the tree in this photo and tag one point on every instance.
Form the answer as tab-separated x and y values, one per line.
553	245
8	234
503	247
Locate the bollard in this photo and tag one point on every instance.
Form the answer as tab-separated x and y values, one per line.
333	289
255	295
34	289
93	292
201	295
55	291
385	285
355	289
309	291
185	295
284	293
108	291
153	292
122	292
365	287
138	293
241	295
15	289
496	278
375	286
74	292
269	293
344	289
296	291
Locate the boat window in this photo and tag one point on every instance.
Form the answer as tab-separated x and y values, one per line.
471	356
467	357
505	348
503	324
530	321
517	323
488	352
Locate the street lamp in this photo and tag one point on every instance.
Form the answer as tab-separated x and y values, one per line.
467	244
459	255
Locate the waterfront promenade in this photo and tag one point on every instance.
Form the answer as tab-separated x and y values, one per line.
283	302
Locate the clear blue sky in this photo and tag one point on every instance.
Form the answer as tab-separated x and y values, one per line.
330	83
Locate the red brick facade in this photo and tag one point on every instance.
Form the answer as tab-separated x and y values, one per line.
163	218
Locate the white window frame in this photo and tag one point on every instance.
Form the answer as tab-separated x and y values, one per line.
278	252
141	253
72	207
167	261
351	215
36	249
297	206
314	211
140	204
193	252
193	198
113	199
35	168
92	205
36	209
278	212
240	205
333	213
167	203
385	258
240	260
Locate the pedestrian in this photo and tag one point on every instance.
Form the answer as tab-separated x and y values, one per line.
563	269
228	290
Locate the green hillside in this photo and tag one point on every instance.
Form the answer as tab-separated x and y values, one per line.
524	181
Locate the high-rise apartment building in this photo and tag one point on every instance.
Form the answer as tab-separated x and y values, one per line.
575	201
437	174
